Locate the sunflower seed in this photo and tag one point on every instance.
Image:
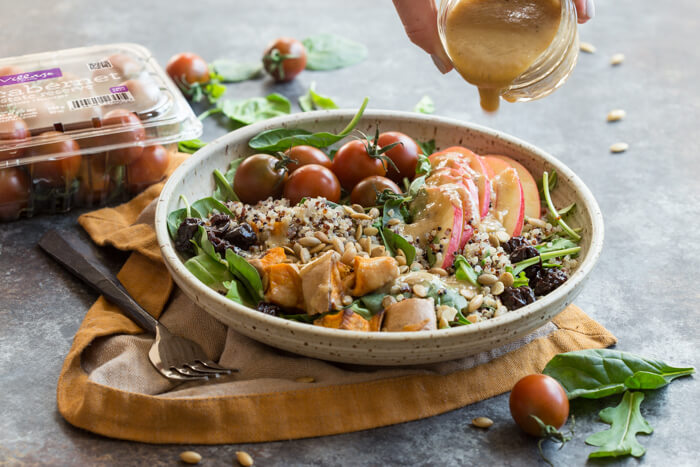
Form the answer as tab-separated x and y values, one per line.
371	231
502	236
619	147
387	301
536	222
244	458
617	59
318	248
403	269
349	255
378	250
347	300
360	216
498	288
487	279
358	232
475	303
309	242
616	115
506	279
322	236
420	290
393	221
190	457
473	318
304	256
366	244
482	422
467	293
373	213
337	245
400	259
587	47
438	271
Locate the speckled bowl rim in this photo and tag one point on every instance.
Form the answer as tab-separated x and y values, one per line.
177	268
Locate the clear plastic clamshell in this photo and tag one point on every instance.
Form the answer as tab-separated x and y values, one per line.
85	126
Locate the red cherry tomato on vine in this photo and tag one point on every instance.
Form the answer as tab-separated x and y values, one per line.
352	163
312	181
187	69
365	193
305	155
284	59
147	169
259	177
541	396
56	171
14	193
404	155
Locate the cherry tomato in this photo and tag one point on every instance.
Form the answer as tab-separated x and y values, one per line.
541	396
187	69
14	193
13	130
57	170
259	177
352	163
95	181
284	59
147	169
123	64
312	181
404	155
305	155
133	134
365	193
144	90
10	70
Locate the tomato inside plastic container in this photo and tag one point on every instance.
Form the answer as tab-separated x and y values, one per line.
76	123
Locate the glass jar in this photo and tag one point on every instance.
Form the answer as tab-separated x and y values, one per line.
548	71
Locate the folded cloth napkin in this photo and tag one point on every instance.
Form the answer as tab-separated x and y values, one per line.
108	386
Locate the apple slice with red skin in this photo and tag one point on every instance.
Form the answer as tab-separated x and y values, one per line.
495	165
530	190
482	180
509	200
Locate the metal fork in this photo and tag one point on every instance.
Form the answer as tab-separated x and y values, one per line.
174	357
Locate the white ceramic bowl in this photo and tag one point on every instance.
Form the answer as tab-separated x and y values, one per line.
194	180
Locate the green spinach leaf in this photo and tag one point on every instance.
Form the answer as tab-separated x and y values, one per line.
224	190
232	71
597	373
330	52
280	139
625	421
256	109
208	205
428	147
236	291
464	271
394	241
174	220
211	272
373	302
446	295
190	146
425	105
314	101
246	273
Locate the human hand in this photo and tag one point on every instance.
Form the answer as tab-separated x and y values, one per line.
419	18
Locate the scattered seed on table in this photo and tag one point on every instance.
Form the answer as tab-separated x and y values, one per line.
482	422
305	379
616	115
619	147
190	457
587	47
617	59
244	458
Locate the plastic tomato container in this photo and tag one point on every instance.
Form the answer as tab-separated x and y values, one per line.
85	127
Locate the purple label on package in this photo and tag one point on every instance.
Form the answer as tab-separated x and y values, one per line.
30	76
117	89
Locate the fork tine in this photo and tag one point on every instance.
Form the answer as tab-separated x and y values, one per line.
189	373
174	375
197	366
215	366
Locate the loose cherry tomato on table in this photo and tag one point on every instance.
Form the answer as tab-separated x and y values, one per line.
147	169
133	133
312	181
14	193
356	160
58	170
284	59
365	193
404	155
305	155
188	69
541	396
259	177
13	130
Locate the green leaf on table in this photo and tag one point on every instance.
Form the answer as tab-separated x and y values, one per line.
425	106
246	273
214	90
232	71
190	146
206	206
428	147
597	373
464	271
315	101
394	242
625	422
281	139
210	271
224	190
330	52
256	109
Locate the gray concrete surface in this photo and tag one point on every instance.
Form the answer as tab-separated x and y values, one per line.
644	289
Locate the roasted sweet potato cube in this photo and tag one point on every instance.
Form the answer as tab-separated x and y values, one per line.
413	314
373	273
284	286
344	319
321	284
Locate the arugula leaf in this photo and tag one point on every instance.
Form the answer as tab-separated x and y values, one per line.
246	273
330	52
214	90
231	71
280	139
558	243
519	267
425	105
314	101
428	147
567	210
206	206
255	109
597	373
394	241
625	421
236	291
521	281
224	190
423	167
211	272
464	271
174	220
546	188
190	146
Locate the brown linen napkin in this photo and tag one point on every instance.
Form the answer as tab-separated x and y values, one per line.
109	387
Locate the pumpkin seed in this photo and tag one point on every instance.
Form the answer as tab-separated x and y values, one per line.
371	231
487	279
615	115
617	59
244	458
309	242
587	47
475	303
506	279
190	457
498	288
482	422
619	147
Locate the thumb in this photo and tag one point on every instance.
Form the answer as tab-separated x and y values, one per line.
419	18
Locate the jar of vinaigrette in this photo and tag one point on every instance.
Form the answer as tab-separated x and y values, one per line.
516	49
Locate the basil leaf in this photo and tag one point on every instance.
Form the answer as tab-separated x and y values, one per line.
231	71
208	205
597	373
256	109
211	272
190	146
246	273
174	220
330	52
314	101
464	271
425	105
280	139
224	190
428	147
394	241
625	421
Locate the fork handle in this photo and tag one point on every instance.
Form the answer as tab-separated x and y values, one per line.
80	264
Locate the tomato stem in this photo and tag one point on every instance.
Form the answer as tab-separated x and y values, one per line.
553	434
